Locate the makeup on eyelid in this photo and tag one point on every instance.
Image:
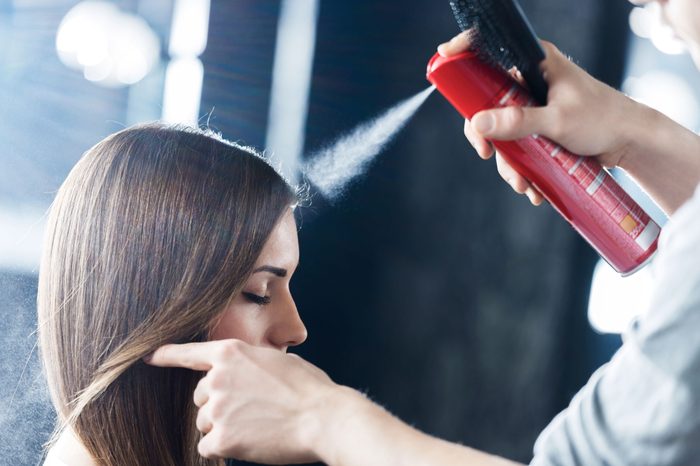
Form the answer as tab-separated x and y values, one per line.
257	298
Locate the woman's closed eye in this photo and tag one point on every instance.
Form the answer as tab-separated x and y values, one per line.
257	299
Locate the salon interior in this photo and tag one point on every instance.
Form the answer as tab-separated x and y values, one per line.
427	283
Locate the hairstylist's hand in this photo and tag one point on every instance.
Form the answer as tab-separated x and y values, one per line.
582	114
255	404
261	405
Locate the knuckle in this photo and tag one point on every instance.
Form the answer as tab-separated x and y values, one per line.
512	117
507	172
202	421
217	408
228	348
520	185
204	449
550	49
472	138
217	445
488	151
204	381
198	398
223	444
503	170
218	380
499	169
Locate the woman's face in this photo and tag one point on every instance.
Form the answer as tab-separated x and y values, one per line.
684	17
264	313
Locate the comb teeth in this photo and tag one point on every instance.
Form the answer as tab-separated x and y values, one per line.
482	20
501	35
463	14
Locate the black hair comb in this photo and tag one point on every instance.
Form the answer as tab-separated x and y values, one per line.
502	35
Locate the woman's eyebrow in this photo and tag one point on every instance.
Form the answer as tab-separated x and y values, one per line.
273	270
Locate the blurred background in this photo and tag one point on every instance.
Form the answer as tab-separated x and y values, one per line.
430	285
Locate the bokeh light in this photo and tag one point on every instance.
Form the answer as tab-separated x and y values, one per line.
111	47
647	23
667	92
616	301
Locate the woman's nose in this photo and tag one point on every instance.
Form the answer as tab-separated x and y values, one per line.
288	328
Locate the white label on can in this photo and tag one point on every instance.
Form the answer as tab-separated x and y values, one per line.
593	187
648	235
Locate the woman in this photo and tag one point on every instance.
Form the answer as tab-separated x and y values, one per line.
642	408
159	234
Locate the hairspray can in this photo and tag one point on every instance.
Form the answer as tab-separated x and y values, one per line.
578	187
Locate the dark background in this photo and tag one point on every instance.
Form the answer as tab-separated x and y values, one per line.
431	286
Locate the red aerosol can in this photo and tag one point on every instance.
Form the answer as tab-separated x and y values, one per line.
579	188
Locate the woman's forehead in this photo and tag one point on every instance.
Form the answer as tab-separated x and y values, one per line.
282	246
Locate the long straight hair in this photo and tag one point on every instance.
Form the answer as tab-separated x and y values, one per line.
153	232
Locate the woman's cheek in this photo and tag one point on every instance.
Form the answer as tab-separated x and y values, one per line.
241	324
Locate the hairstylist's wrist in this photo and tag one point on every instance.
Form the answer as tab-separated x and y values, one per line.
638	128
322	425
662	156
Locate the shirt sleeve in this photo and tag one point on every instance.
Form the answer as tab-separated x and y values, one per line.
643	407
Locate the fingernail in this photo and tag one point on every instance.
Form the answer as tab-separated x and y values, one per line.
483	123
441	49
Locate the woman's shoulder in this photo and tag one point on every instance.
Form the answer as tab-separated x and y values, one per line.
68	451
53	460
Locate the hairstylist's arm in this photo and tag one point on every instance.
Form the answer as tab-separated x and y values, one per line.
261	405
590	118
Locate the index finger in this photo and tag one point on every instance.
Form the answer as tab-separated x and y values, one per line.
458	44
195	356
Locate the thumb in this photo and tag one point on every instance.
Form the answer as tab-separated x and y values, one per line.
513	122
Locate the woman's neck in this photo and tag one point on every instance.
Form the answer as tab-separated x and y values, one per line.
69	450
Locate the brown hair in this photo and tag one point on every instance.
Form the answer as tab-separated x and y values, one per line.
153	232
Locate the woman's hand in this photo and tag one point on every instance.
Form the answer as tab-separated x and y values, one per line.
255	404
582	114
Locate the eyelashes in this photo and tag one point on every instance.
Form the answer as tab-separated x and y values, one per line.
254	298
